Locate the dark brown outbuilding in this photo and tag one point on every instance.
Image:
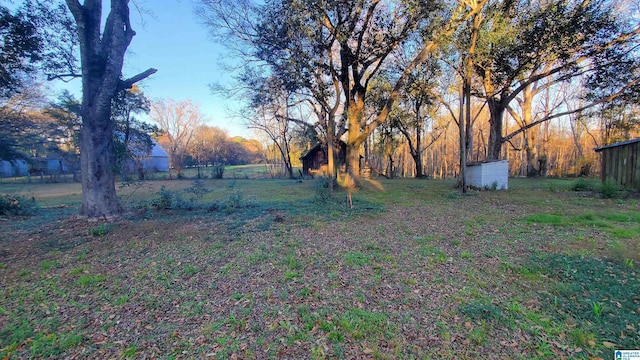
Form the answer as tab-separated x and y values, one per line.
620	162
314	159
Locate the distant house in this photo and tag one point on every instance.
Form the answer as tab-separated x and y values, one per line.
158	159
145	161
620	162
34	166
53	166
13	168
314	159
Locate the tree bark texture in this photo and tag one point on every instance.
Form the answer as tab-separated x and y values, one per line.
496	111
355	138
101	58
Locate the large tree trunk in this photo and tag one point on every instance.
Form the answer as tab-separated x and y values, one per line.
530	153
417	159
417	154
496	111
98	165
355	138
331	156
462	177
353	163
101	60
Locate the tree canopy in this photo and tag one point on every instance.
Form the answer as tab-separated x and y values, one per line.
508	55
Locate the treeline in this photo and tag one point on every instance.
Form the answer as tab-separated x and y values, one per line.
411	88
421	88
189	141
36	128
558	148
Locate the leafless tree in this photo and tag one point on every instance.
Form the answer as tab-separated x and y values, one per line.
179	121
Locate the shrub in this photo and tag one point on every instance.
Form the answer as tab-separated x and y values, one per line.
608	189
217	172
322	194
584	167
17	205
237	199
198	189
166	199
582	184
100	230
233	201
175	200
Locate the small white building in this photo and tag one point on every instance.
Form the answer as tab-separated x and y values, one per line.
488	175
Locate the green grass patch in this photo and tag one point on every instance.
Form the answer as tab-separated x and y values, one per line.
292	262
45	342
546	219
480	310
190	270
13	335
359	324
626	233
290	275
50	345
89	280
619	225
357	259
130	352
434	253
478	335
47	265
601	295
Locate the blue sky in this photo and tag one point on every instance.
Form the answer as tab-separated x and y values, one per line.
172	40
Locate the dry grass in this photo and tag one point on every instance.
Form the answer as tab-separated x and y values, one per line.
416	270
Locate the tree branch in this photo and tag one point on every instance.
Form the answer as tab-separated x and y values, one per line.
569	112
127	84
460	15
63	77
76	10
575	62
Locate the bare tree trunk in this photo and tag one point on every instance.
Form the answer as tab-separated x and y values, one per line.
469	128
102	58
354	140
98	168
496	110
462	181
417	158
331	157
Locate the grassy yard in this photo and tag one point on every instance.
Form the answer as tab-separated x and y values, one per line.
247	268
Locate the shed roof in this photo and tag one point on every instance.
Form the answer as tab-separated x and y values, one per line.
318	147
633	141
158	151
310	151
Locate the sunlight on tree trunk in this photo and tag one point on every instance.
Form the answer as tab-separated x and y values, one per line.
102	58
